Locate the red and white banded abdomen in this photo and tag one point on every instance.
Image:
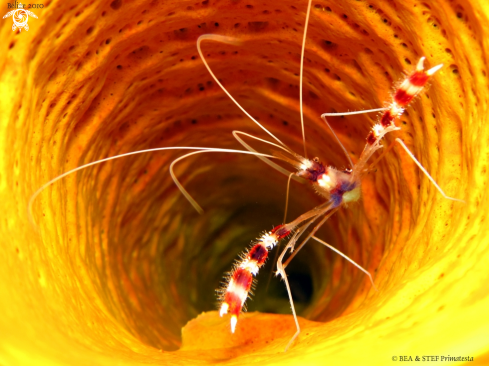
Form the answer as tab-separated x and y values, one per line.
240	280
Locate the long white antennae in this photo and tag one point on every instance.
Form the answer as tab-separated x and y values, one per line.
300	77
184	191
411	155
287	197
351	113
233	41
267	161
348	259
236	132
59	177
338	140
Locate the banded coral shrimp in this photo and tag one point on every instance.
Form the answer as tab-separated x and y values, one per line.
340	74
337	187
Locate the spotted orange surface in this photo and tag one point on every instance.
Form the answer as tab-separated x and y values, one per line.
120	262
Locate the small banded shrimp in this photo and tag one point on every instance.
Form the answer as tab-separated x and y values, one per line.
337	187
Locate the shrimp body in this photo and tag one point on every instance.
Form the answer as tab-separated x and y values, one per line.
331	183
